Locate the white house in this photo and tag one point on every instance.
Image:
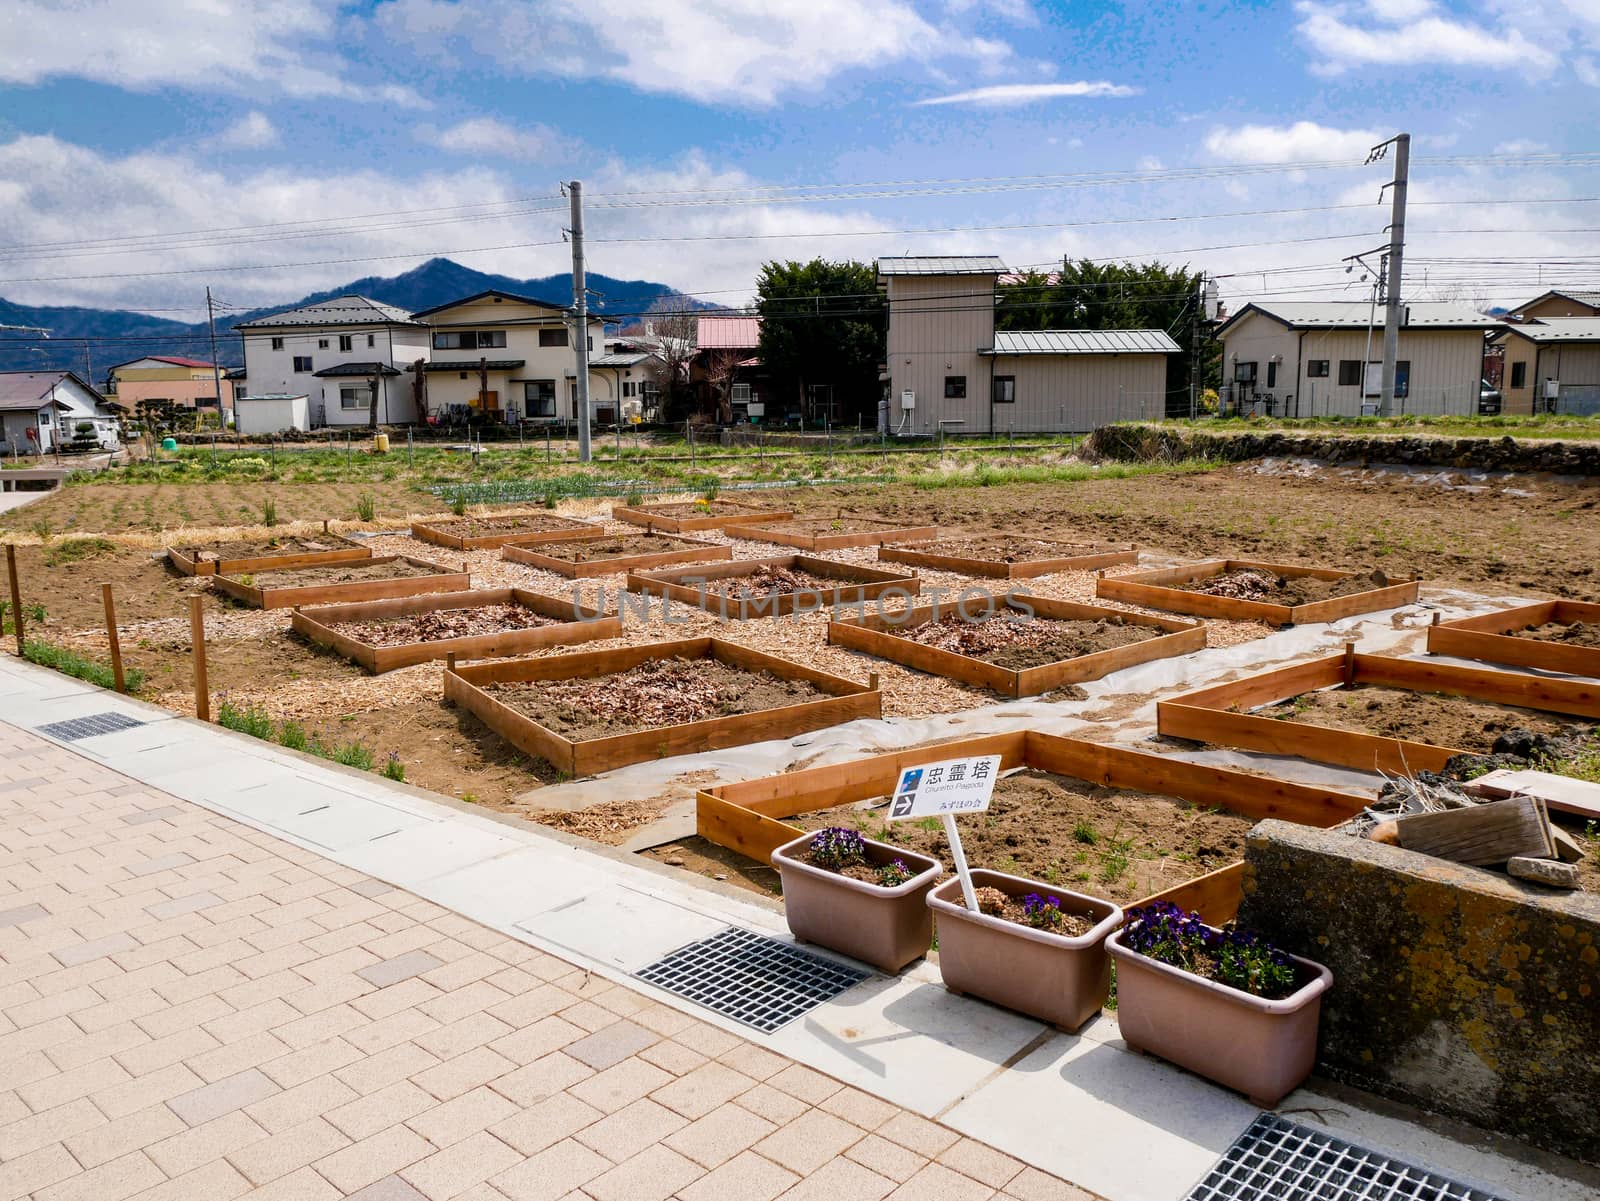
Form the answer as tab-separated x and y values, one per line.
41	410
1324	357
332	351
512	357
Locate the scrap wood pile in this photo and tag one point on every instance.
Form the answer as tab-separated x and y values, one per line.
446	623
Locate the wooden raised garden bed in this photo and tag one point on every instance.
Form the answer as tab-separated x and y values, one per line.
527	622
840	533
891	636
1173	589
682	517
615	553
230	558
1223	714
1562	636
747	816
717	587
1007	556
372	578
484	689
485	533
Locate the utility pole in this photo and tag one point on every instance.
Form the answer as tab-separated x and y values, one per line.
580	304
216	367
1200	315
1397	240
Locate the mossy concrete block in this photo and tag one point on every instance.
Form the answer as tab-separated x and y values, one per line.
1455	988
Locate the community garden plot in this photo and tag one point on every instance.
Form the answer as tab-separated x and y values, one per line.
1377	713
1103	820
682	517
1275	593
263	554
616	553
1009	556
1561	636
479	533
832	533
322	584
484	624
1017	645
751	588
590	711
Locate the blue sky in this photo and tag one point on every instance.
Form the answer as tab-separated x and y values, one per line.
145	125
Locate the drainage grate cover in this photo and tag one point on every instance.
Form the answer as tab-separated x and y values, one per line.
753	979
1276	1160
88	727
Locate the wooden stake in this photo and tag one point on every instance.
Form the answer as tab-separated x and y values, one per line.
111	636
1349	665
450	661
16	593
872	681
197	638
1436	616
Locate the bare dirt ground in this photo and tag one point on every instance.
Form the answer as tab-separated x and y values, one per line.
1013	644
1579	633
623	546
1448	721
511	523
356	571
1005	549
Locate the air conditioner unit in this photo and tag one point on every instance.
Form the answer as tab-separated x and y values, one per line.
908	399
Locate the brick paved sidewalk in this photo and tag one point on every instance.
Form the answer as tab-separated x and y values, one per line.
195	1011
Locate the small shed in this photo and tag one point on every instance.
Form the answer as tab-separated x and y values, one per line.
274	413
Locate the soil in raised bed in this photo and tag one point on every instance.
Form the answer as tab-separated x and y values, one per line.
512	523
823	526
1252	584
264	547
661	692
1006	550
1578	633
1106	842
1013	643
620	546
699	508
1448	721
444	623
773	581
356	571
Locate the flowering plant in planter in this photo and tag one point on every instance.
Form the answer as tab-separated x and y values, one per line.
1237	958
843	850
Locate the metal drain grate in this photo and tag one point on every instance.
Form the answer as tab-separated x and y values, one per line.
753	979
90	726
1276	1160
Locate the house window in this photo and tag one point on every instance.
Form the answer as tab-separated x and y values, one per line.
371	341
468	339
539	397
355	396
1317	369
277	344
1004	391
955	387
346	342
322	344
627	388
741	394
302	363
553	337
1272	374
1349	373
1519	375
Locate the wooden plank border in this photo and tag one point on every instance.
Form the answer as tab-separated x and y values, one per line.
878	634
188	564
317	624
1103	555
439	533
1162	590
1222	715
464	686
687	585
1492	638
646	515
889	532
441	579
694	550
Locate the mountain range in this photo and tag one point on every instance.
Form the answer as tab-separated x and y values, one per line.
118	335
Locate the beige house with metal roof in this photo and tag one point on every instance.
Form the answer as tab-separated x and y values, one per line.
1552	365
948	369
1562	302
1324	358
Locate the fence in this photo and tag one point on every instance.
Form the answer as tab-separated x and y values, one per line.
1465	400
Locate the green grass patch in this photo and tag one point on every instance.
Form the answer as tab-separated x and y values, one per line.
250	720
75	550
69	662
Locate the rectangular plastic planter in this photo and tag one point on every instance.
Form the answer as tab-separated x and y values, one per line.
678	550
886	927
285	596
1260	1048
1072	557
683	523
1164	590
1493	638
692	586
879	634
826	539
1060	980
317	624
559	529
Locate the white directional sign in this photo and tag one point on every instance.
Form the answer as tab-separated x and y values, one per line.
953	786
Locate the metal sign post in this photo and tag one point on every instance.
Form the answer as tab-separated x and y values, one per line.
943	790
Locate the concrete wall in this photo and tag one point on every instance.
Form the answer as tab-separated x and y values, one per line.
937	325
1457	989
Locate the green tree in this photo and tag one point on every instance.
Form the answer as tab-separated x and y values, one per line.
822	336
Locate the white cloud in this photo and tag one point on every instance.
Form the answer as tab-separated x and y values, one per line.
1009	95
205	45
1410	35
250	132
716	51
488	136
1586	71
1519	146
1302	142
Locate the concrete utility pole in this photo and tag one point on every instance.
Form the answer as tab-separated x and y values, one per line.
216	367
580	304
1397	241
